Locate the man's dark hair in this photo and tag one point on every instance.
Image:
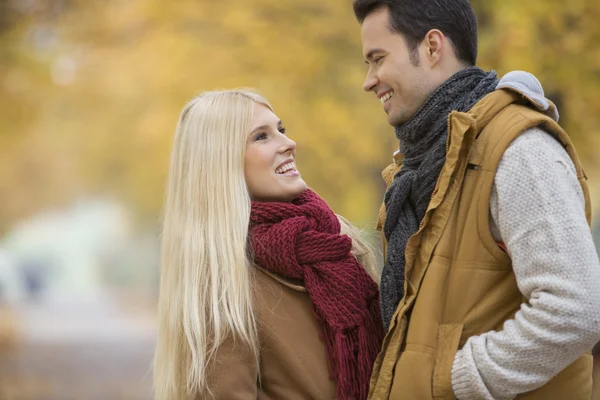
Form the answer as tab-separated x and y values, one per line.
413	19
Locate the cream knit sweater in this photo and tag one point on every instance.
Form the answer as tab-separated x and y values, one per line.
537	210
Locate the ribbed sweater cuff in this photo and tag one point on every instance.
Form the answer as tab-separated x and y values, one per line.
466	382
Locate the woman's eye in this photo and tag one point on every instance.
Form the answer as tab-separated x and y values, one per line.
261	136
282	130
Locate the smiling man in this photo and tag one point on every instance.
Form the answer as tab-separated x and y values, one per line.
491	282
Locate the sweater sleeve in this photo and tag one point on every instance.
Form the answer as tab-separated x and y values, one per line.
538	208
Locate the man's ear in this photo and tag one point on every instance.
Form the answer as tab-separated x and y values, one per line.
433	47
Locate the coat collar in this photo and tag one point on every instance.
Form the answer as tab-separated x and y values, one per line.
290	283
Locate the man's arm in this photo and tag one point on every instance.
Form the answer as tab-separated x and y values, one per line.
537	205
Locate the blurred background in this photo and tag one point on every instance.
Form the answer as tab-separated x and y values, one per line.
90	93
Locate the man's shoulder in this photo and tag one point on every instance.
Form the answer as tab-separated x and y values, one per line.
537	139
536	154
517	125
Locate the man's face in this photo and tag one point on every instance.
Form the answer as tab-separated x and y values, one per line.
401	84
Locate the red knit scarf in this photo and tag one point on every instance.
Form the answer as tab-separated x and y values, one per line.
301	240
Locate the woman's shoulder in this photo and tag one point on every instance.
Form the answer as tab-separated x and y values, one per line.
277	299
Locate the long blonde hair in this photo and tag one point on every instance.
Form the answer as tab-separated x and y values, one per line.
205	285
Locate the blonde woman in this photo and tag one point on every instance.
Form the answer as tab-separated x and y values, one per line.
264	292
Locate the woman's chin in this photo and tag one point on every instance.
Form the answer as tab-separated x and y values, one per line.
299	188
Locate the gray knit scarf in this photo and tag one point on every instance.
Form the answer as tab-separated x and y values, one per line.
423	145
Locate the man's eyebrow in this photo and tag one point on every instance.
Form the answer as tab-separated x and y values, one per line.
371	53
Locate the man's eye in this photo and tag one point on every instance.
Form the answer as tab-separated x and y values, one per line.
378	59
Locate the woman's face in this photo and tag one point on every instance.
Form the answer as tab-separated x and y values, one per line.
270	166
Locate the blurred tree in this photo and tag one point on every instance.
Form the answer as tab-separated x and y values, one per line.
560	46
91	90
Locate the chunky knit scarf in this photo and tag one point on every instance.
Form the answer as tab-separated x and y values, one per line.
423	145
301	240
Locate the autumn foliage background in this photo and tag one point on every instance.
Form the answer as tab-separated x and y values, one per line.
90	93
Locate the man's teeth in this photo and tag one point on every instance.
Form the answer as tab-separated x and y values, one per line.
386	97
285	168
